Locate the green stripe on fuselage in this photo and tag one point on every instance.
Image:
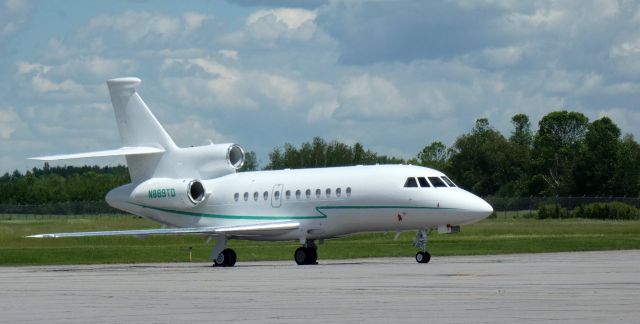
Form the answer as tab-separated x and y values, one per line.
318	209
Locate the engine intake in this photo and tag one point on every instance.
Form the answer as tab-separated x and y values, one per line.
170	193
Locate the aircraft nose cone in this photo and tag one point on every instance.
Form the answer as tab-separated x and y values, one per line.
484	207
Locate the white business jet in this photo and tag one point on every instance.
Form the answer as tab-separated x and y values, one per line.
197	190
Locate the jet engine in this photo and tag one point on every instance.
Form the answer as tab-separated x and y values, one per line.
169	193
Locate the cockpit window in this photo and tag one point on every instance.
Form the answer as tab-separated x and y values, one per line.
423	182
437	182
449	182
411	183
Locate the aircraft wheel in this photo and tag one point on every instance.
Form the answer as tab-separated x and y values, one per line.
226	258
301	255
313	256
423	257
231	260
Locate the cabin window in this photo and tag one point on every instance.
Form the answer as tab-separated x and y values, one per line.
276	195
437	182
318	193
411	183
265	195
328	192
423	182
338	192
298	193
288	194
448	181
348	191
255	196
246	196
308	193
236	196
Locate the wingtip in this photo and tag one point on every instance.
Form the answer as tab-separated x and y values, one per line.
41	236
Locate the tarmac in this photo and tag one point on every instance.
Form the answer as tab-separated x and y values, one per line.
582	287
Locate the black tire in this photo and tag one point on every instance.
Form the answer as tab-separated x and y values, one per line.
301	255
230	257
423	257
313	256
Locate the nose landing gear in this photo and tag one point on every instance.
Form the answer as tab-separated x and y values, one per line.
420	242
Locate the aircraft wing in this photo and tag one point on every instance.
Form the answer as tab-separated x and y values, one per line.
237	229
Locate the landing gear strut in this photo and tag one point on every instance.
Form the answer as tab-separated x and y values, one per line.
420	242
307	254
221	255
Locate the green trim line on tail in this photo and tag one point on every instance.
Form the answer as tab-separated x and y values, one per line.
318	209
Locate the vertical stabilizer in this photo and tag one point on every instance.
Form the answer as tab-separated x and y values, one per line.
137	127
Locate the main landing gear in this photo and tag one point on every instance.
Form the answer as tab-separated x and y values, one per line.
306	254
221	255
420	242
226	258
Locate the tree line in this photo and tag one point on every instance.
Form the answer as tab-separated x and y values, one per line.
566	156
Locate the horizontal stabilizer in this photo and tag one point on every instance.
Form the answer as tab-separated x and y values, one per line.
238	229
123	151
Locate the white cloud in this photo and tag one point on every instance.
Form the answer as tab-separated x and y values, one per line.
12	15
293	18
270	26
230	54
140	25
545	18
194	130
10	121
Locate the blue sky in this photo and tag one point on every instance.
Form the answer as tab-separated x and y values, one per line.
393	75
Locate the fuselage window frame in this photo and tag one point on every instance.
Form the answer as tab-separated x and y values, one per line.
436	182
448	181
411	183
423	182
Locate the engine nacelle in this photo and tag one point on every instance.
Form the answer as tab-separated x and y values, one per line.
210	161
169	193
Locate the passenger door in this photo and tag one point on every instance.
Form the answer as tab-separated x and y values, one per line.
276	196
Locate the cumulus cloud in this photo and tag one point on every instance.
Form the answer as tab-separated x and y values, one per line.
13	15
194	130
269	26
413	71
145	26
10	121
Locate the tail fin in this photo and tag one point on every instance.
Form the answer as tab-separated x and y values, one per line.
136	123
138	127
144	140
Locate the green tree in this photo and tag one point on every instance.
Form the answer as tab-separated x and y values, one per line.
478	159
627	168
435	155
555	149
519	157
595	166
250	162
